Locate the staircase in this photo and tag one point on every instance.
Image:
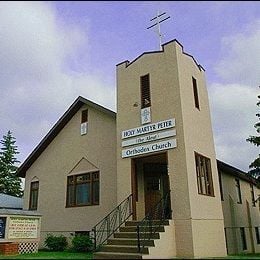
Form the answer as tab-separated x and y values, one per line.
124	244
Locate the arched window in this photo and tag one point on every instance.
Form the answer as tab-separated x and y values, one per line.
34	192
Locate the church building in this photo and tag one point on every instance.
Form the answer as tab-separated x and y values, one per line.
142	182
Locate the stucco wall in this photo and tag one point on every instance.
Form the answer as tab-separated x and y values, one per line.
60	157
240	215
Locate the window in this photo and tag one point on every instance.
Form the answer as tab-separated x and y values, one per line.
257	234
252	195
84	122
243	238
33	204
84	116
83	189
195	93
225	232
2	227
220	186
239	197
204	175
145	91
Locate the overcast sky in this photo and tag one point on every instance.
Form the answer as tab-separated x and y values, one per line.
52	52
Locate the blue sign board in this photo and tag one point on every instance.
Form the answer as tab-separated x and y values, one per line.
2	227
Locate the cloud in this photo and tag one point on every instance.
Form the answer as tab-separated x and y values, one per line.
241	52
233	109
37	84
233	101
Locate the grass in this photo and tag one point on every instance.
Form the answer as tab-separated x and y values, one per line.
50	255
238	256
71	255
244	256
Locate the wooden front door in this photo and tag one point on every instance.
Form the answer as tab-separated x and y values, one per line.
153	192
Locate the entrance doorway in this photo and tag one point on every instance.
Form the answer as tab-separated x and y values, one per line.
156	184
150	184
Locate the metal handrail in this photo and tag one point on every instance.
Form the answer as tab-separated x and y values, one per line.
111	222
153	220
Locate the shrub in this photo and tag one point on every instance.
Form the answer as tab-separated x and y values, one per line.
56	243
82	243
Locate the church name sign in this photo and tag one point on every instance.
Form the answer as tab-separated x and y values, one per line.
148	133
148	138
148	148
148	128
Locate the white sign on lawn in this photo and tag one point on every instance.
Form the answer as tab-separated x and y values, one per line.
23	227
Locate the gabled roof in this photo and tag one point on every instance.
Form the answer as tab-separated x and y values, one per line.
226	168
10	202
73	109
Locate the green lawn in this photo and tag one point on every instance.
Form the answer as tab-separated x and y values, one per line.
244	256
50	255
69	255
239	256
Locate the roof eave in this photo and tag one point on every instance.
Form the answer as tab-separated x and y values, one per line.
71	111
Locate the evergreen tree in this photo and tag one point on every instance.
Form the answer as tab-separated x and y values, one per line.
10	183
255	165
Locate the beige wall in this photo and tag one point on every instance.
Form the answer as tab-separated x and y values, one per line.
240	215
206	211
60	157
171	73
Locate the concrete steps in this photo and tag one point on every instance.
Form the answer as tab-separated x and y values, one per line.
124	244
128	241
108	255
142	229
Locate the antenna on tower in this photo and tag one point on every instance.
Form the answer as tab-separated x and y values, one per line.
159	19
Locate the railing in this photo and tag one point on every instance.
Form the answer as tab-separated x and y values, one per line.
110	223
153	221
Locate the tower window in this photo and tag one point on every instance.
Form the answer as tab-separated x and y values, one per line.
204	175
145	91
195	92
